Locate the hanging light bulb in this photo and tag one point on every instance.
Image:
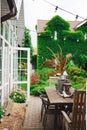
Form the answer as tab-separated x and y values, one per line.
56	8
77	17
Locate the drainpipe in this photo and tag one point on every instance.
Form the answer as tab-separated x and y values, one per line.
13	11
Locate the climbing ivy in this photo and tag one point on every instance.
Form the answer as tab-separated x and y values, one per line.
70	42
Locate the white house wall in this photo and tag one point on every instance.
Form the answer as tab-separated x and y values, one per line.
18	5
5	7
20	25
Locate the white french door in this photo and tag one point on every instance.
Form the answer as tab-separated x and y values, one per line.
20	69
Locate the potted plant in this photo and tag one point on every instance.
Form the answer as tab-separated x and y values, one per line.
17	96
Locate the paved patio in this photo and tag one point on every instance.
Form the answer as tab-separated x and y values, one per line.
32	119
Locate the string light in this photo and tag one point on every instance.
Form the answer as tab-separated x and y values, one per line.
57	7
76	17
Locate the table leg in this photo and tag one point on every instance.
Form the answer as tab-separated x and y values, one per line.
55	117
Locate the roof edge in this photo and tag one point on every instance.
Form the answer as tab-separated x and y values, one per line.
81	23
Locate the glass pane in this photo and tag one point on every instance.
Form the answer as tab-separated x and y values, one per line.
6	32
6	63
11	37
15	65
1	28
22	65
20	86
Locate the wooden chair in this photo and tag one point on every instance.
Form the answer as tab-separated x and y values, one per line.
43	98
48	109
77	119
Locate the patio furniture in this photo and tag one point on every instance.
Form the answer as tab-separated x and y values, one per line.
47	109
59	102
77	119
43	98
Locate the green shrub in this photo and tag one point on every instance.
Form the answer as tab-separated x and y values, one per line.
40	86
34	61
77	76
77	79
79	86
74	70
83	61
45	72
2	112
17	96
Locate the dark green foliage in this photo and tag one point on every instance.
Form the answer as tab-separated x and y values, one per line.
56	24
27	42
40	86
18	97
70	42
74	70
43	82
68	46
83	28
46	33
44	73
83	61
72	36
79	86
34	61
43	51
77	75
2	112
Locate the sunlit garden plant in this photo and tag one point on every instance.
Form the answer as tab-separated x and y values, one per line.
17	96
2	112
59	60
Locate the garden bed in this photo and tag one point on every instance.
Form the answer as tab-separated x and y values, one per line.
14	117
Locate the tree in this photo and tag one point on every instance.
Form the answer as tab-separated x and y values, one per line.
27	41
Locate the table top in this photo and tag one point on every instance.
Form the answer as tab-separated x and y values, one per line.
55	98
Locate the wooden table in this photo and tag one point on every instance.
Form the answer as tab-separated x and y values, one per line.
56	99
